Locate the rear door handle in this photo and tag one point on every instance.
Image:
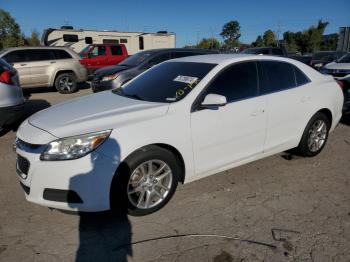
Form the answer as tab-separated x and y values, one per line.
52	62
23	64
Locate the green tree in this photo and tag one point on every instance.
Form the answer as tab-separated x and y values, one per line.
289	40
209	43
269	38
33	40
329	42
10	32
231	33
259	42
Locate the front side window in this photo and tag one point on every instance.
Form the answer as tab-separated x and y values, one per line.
98	51
277	76
344	59
166	83
237	82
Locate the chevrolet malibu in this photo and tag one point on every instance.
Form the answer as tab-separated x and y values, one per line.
180	121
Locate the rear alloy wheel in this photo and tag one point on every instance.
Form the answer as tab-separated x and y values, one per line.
66	83
315	135
145	181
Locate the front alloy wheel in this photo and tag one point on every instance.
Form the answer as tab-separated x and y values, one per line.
149	184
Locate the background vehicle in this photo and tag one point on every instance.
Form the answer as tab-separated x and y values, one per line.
101	55
322	58
306	59
180	121
46	67
78	39
277	51
115	76
11	96
339	68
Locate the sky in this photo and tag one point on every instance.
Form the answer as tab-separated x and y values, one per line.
189	20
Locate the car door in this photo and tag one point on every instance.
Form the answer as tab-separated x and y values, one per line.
286	103
19	60
235	132
40	61
116	55
98	57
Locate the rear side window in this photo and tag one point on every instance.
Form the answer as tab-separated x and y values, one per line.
237	82
16	56
70	38
61	54
300	77
116	50
277	76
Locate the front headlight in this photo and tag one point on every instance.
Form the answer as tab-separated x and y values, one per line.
110	77
74	147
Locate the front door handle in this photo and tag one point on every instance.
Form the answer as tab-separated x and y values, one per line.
23	64
52	62
257	112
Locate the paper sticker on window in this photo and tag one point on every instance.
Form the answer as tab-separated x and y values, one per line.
186	79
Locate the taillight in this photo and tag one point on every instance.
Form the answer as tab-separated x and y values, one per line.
5	77
341	84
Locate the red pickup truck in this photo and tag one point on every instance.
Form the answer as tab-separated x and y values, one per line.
96	56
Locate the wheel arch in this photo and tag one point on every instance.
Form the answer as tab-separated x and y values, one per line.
60	72
328	114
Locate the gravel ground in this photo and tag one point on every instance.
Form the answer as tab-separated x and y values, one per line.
304	201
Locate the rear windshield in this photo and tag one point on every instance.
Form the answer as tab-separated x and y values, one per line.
169	82
136	59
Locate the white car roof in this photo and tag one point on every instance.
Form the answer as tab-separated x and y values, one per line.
223	59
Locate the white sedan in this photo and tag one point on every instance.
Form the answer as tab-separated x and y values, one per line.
180	121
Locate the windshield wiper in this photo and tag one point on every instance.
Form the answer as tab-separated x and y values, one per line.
121	92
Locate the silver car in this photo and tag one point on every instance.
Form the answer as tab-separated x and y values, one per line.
46	67
11	96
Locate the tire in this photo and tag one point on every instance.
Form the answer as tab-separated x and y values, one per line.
308	146
66	83
134	184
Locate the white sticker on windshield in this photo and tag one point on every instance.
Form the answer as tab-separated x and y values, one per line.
186	79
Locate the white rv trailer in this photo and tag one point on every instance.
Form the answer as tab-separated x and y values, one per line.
78	39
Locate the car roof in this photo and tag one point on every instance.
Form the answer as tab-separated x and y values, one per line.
37	47
222	58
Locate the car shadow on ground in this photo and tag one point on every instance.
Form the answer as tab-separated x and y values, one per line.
345	120
31	107
103	236
36	90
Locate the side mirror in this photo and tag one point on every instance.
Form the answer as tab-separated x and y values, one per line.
213	100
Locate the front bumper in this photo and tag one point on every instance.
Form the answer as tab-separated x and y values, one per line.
78	185
98	86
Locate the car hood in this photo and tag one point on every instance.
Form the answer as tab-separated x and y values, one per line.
95	112
110	70
341	66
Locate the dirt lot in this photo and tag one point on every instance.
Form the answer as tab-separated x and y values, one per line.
308	199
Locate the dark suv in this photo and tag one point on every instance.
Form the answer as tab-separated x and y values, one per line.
115	76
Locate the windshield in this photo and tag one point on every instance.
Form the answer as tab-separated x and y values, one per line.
84	51
136	59
344	59
166	83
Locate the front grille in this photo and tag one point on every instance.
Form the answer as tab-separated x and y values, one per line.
23	164
25	145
